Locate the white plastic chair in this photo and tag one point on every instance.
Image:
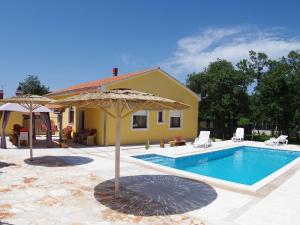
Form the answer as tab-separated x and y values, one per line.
202	140
23	137
239	134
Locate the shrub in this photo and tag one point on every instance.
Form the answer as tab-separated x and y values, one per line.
261	138
147	146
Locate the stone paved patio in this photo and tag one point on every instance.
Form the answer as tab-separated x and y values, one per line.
75	187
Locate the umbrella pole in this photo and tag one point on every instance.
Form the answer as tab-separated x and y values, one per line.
117	152
60	128
30	130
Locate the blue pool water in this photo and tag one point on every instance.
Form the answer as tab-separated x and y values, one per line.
243	165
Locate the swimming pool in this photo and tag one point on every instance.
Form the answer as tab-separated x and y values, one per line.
242	165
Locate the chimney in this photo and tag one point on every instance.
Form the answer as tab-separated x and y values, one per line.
19	91
115	72
1	94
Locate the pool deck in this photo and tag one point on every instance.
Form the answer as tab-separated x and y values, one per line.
73	186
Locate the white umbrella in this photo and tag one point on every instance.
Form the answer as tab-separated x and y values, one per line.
14	107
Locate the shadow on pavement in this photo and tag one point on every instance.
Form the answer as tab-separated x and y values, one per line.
58	161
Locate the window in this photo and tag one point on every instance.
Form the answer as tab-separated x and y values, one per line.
71	115
160	117
140	120
175	119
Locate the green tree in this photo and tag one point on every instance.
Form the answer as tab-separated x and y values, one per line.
294	63
223	95
278	93
32	85
254	68
275	98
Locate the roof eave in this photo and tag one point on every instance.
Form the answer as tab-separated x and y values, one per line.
63	93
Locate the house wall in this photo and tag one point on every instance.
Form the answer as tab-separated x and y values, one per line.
94	120
65	121
14	118
159	84
65	117
53	117
153	82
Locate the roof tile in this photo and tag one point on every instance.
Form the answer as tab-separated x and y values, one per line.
96	83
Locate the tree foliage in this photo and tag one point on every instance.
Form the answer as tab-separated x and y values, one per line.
274	99
223	94
32	85
279	93
255	67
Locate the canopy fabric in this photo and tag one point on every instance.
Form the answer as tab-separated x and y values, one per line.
47	122
14	107
4	124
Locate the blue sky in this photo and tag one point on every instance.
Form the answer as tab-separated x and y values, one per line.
67	42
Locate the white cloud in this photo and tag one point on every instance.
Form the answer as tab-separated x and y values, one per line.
194	53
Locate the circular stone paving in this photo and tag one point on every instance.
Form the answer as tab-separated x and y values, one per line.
155	195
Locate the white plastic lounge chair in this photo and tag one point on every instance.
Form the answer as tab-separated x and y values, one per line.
239	134
282	139
202	140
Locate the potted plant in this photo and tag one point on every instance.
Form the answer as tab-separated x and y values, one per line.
63	144
147	146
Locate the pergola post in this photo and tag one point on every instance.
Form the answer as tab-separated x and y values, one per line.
117	151
30	130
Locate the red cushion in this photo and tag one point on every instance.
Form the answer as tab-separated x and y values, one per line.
177	138
92	132
23	129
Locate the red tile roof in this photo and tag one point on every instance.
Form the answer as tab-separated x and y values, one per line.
95	84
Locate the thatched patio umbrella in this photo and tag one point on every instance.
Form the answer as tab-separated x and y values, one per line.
31	103
118	100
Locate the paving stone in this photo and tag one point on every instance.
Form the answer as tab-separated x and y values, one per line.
75	187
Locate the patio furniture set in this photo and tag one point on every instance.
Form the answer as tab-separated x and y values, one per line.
85	137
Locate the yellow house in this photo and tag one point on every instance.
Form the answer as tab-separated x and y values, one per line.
142	125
